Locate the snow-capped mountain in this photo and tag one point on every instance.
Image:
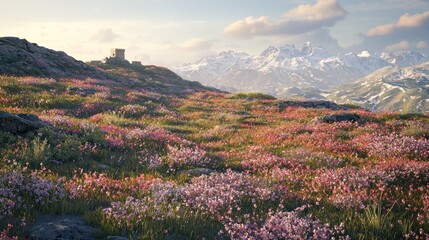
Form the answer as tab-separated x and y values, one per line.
404	89
277	70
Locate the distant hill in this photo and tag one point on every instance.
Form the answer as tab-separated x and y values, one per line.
404	89
18	57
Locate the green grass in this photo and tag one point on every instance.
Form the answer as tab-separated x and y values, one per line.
260	96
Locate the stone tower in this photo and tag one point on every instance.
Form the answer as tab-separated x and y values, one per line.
117	53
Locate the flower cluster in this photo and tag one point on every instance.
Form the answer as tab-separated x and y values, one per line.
257	159
94	186
160	202
283	225
179	157
223	193
4	235
20	190
133	111
395	145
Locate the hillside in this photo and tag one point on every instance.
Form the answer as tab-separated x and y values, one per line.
18	57
277	69
403	89
127	157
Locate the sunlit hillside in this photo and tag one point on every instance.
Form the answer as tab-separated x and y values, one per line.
148	165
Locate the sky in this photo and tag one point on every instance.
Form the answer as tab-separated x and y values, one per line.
173	32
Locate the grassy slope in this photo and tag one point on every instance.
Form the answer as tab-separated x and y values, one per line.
114	129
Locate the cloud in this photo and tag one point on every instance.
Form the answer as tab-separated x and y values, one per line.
421	44
322	10
196	45
406	21
403	45
105	36
302	19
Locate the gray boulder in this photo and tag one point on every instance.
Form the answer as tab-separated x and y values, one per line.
116	238
20	123
342	117
311	104
61	228
197	172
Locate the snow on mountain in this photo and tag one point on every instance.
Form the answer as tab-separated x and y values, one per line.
391	88
404	59
278	69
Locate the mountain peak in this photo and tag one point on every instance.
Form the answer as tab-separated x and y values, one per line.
270	50
227	53
306	49
365	54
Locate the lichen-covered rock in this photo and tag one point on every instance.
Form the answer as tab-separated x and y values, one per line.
311	104
342	117
20	123
64	228
197	172
116	238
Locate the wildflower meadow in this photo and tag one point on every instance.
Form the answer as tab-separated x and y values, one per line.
141	164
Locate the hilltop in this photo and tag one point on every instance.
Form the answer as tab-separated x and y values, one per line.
18	57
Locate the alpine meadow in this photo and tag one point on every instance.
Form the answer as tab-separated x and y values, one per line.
278	120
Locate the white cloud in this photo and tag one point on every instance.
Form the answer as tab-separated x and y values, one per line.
322	10
105	36
421	45
196	45
403	45
302	19
406	21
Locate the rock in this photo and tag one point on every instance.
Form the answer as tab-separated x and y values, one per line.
103	166
349	117
60	227
311	104
83	91
197	172
20	123
18	57
115	238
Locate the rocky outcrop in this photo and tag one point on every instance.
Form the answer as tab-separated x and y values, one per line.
116	238
18	57
20	123
342	117
311	104
197	172
64	228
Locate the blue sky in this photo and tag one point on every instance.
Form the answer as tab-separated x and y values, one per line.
172	32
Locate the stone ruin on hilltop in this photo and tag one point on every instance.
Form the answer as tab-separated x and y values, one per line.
116	55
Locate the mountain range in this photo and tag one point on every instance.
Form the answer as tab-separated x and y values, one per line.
289	72
404	89
277	69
